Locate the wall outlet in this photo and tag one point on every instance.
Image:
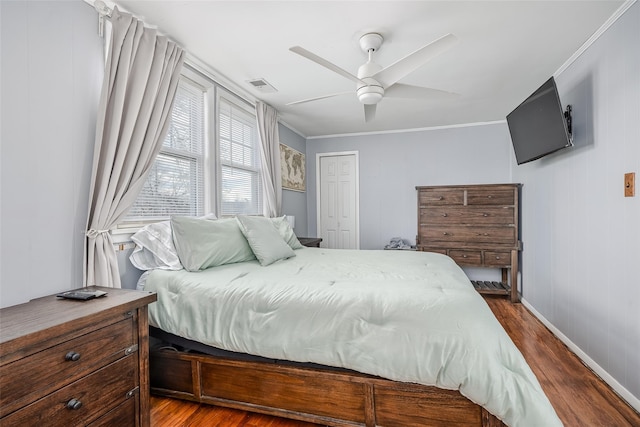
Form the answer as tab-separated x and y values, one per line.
630	184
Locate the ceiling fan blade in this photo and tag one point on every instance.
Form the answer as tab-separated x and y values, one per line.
399	69
399	90
369	112
321	61
320	97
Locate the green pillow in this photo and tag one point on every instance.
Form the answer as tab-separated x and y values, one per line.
265	240
202	243
286	232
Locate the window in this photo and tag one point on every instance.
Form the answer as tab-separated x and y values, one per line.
240	180
184	179
175	185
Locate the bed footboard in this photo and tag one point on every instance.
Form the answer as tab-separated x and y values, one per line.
318	395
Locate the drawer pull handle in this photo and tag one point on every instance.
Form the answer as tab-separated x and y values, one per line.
445	234
74	404
441	198
132	393
497	257
72	356
131	350
489	196
464	256
485	214
444	214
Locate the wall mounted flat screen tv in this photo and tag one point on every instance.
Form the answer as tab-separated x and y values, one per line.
539	126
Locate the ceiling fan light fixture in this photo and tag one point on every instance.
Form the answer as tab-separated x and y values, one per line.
369	95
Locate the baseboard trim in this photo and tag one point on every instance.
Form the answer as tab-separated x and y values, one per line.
606	377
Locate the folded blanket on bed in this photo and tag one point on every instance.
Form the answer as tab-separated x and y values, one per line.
402	315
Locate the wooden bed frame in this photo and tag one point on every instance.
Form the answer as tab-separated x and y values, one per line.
323	395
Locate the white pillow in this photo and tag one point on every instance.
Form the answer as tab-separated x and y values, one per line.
265	239
154	247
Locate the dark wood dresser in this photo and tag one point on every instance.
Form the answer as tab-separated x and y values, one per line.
476	225
76	363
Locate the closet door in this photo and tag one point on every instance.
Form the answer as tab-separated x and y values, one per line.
338	201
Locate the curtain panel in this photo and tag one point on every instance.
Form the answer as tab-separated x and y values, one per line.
267	118
141	77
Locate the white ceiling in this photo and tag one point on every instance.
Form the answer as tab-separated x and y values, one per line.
506	50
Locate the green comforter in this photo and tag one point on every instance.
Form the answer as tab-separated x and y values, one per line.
402	315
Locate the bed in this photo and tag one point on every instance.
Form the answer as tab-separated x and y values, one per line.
336	337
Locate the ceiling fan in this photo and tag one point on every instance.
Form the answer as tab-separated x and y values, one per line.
374	82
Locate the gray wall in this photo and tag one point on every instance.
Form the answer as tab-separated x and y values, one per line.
581	235
52	69
393	164
294	202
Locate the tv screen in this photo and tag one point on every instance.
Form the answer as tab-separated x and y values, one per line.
538	126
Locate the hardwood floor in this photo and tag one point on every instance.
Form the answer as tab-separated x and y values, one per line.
176	413
578	395
580	398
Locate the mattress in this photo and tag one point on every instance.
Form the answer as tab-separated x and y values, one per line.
405	316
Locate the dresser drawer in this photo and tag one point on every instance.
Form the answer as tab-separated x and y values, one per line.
34	376
94	395
469	235
470	215
497	259
464	257
492	235
436	196
442	251
122	415
487	196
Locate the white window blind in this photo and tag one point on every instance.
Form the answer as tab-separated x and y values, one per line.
240	186
175	185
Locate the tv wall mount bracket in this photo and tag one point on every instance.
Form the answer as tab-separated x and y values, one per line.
567	117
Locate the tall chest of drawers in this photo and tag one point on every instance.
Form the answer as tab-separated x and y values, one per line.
76	363
476	225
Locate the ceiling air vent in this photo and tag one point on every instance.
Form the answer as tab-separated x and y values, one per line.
262	85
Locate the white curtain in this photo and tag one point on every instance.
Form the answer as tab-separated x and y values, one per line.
140	82
270	155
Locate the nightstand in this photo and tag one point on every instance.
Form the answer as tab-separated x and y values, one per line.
69	362
310	242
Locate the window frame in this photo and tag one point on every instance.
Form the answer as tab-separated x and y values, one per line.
213	92
240	103
208	88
